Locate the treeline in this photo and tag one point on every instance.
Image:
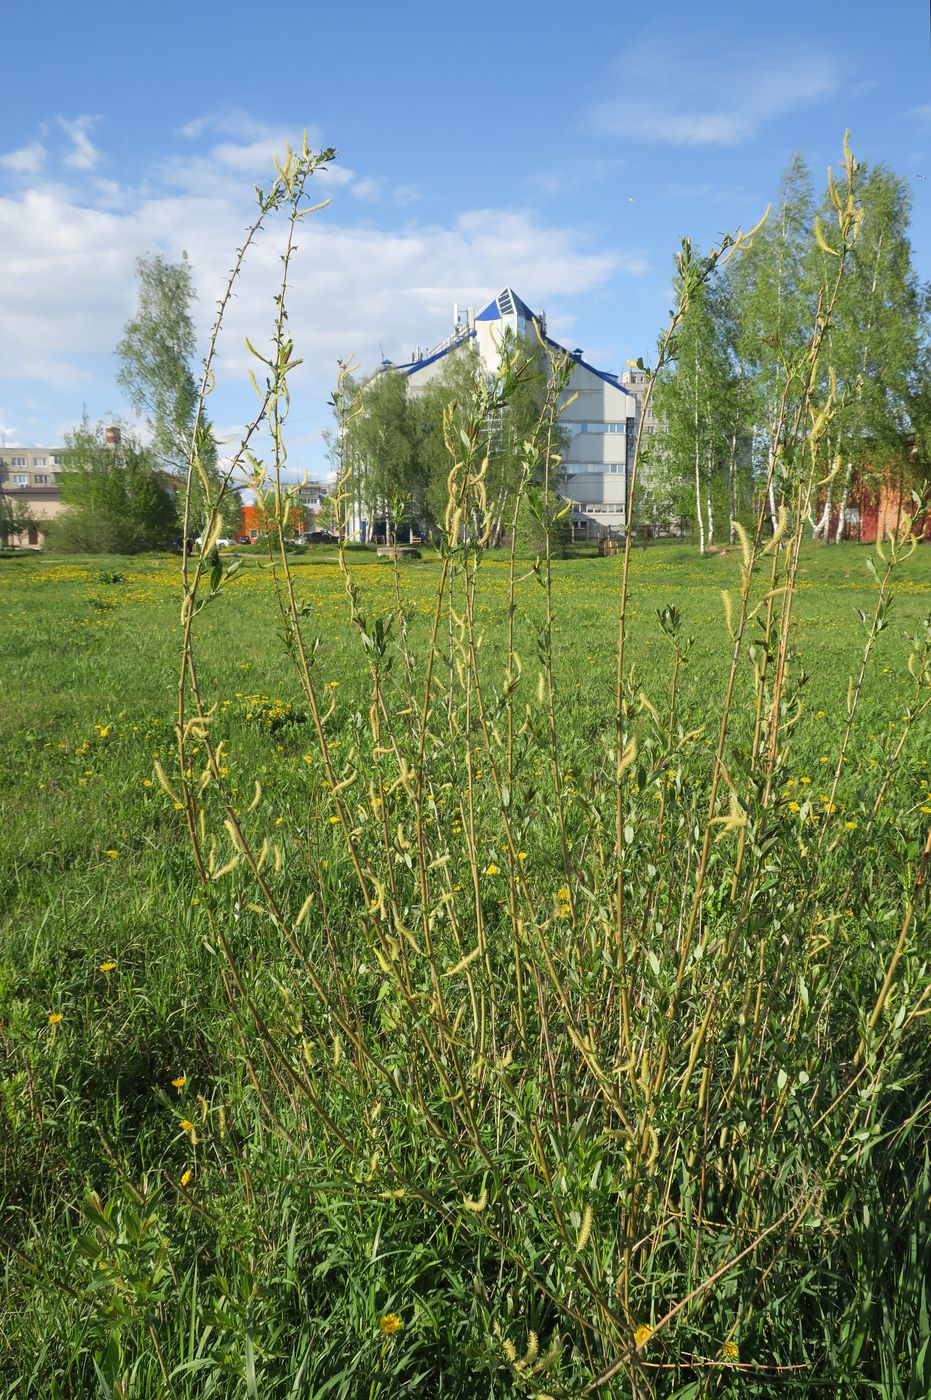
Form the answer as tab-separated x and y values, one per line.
718	404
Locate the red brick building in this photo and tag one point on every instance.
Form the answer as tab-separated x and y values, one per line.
877	507
255	523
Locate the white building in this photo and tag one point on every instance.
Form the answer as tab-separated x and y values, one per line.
601	422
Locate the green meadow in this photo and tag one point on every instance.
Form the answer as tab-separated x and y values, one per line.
237	1165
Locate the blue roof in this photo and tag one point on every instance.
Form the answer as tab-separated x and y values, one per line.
505	304
605	374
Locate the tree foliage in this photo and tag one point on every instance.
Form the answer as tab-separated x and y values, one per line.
729	404
17	520
156	356
116	501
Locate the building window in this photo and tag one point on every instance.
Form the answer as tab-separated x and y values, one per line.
253	534
41	479
56	459
593	468
18	461
39	462
597	427
20	478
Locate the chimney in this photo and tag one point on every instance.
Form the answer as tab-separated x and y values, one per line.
111	436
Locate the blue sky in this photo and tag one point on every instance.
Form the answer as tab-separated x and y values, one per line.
562	150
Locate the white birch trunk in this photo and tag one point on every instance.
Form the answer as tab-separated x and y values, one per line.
820	529
698	510
845	492
709	504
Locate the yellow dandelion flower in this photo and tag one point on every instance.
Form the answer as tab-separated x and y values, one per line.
642	1335
851	826
491	869
185	1177
107	966
54	1018
563	892
112	854
389	1324
180	1082
730	1351
521	855
186	1125
806	780
794	807
333	820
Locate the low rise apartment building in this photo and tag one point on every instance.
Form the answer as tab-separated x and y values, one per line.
29	486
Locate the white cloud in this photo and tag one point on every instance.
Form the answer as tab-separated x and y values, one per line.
83	155
230	121
27	160
249	153
666	96
379	190
67	282
369	188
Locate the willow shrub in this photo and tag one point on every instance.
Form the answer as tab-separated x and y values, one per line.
628	1023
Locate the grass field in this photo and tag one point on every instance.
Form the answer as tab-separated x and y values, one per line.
176	1223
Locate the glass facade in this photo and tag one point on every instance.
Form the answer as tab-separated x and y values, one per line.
592	468
595	427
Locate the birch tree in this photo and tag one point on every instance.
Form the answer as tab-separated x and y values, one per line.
692	406
772	294
872	348
157	357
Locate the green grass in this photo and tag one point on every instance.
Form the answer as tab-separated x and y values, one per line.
267	1273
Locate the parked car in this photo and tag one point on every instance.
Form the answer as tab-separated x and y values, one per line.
222	542
318	537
